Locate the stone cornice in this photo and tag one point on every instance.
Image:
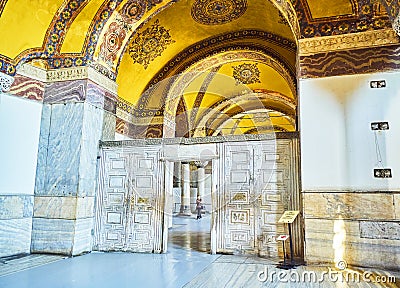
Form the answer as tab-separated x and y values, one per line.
201	140
67	74
32	72
349	41
5	82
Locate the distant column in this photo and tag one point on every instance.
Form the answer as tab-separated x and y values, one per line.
201	177
185	202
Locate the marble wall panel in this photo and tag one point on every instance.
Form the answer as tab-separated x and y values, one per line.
109	127
66	91
52	236
64	149
91	134
16	206
349	205
41	168
396	202
380	230
83	236
325	238
85	207
27	87
95	95
15	236
56	207
110	103
350	62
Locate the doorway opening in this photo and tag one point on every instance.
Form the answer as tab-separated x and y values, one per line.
192	180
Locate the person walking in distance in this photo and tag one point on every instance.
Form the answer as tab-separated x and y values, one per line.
199	207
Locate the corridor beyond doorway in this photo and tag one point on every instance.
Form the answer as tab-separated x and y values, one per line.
189	233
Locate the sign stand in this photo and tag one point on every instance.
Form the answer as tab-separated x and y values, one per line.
284	265
288	217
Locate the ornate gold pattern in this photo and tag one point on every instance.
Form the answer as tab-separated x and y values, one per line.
289	13
149	44
246	73
215	12
349	41
133	10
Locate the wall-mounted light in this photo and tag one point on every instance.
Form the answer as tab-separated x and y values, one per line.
378	84
380	126
383	173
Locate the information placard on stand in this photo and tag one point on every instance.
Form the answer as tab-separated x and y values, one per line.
288	217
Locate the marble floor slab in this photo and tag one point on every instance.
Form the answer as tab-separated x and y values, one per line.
15	264
184	265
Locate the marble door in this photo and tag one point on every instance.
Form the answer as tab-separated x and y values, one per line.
258	183
238	192
130	200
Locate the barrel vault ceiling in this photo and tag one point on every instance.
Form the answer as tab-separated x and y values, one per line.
216	66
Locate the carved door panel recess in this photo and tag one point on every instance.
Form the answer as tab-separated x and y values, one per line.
129	205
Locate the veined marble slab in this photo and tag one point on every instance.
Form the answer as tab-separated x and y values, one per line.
41	168
109	124
397	205
61	236
92	127
65	91
16	206
380	230
52	236
326	239
56	207
95	95
83	239
59	161
15	236
349	205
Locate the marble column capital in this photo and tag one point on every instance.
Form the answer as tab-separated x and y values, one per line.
5	82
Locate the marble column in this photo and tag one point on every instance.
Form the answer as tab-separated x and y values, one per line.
201	174
185	200
76	114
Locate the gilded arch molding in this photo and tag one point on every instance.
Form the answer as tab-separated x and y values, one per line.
258	42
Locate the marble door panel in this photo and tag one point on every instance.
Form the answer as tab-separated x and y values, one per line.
111	206
129	206
146	179
238	190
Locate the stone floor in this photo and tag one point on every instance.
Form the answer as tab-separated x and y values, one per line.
187	264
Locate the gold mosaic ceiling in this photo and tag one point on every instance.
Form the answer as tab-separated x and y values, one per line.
140	43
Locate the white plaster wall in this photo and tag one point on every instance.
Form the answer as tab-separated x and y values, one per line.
338	147
20	127
322	135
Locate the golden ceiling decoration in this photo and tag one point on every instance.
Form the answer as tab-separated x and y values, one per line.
246	74
133	10
149	44
215	12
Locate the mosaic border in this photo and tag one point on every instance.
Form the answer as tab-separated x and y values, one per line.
349	41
